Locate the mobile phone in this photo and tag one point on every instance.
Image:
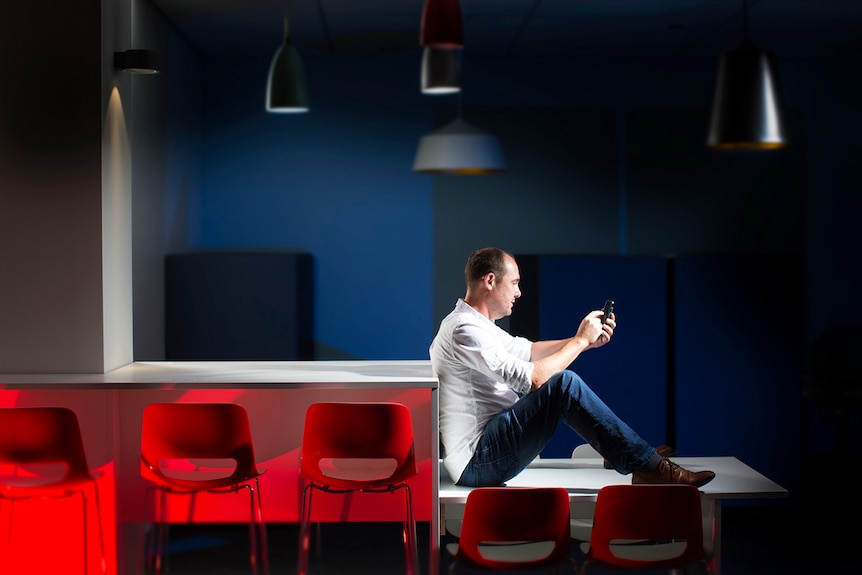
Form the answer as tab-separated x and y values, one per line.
609	307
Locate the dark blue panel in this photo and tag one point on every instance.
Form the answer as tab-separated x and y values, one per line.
238	306
630	373
740	337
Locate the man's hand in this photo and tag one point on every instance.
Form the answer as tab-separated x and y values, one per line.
594	331
549	357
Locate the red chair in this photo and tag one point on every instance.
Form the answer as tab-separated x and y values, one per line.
36	440
647	526
349	447
205	436
515	528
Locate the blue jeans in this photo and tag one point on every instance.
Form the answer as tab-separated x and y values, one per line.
515	436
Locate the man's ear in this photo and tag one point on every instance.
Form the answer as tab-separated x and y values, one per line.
490	278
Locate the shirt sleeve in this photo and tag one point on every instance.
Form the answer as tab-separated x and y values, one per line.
497	355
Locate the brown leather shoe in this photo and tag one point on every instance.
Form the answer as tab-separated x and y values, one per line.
663	450
670	472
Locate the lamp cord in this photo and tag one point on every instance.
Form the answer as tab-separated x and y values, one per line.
324	23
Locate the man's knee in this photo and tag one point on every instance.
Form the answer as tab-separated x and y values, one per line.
566	382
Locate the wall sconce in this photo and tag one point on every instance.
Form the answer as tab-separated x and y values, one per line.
137	61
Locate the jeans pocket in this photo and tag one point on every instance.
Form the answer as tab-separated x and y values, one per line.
489	467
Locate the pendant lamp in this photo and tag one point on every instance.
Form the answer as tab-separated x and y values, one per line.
441	73
459	149
286	90
747	108
442	24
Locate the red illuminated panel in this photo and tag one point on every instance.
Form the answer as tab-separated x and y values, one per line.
47	534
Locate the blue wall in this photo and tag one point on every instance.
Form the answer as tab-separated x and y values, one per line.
336	182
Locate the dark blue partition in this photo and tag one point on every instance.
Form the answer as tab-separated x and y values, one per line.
236	305
708	354
739	325
630	374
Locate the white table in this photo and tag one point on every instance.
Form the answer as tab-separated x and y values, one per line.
583	477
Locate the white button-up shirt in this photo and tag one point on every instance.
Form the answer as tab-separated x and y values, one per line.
481	369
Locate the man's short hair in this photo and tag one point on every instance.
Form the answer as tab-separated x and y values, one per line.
484	261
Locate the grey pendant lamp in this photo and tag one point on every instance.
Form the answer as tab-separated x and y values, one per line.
747	108
459	149
441	70
286	88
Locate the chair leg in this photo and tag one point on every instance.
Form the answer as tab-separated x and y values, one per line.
11	514
162	533
261	533
84	516
256	532
411	547
252	531
149	538
155	542
104	565
304	531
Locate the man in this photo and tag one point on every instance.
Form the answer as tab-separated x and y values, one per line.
501	397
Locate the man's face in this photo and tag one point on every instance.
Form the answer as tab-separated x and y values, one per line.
506	290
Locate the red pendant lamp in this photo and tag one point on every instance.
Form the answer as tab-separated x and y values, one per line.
442	24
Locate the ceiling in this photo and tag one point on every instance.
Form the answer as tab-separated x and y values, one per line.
528	28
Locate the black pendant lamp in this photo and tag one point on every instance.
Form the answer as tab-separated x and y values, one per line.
286	89
747	108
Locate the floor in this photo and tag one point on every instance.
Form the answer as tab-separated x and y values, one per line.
772	539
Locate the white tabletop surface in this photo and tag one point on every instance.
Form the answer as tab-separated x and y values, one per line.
408	373
583	477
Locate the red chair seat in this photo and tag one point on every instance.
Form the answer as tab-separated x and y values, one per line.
647	526
515	527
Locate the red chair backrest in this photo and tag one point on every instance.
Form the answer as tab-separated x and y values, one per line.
196	431
496	515
44	435
647	512
357	430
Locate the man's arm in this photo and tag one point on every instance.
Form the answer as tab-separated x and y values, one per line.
549	357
